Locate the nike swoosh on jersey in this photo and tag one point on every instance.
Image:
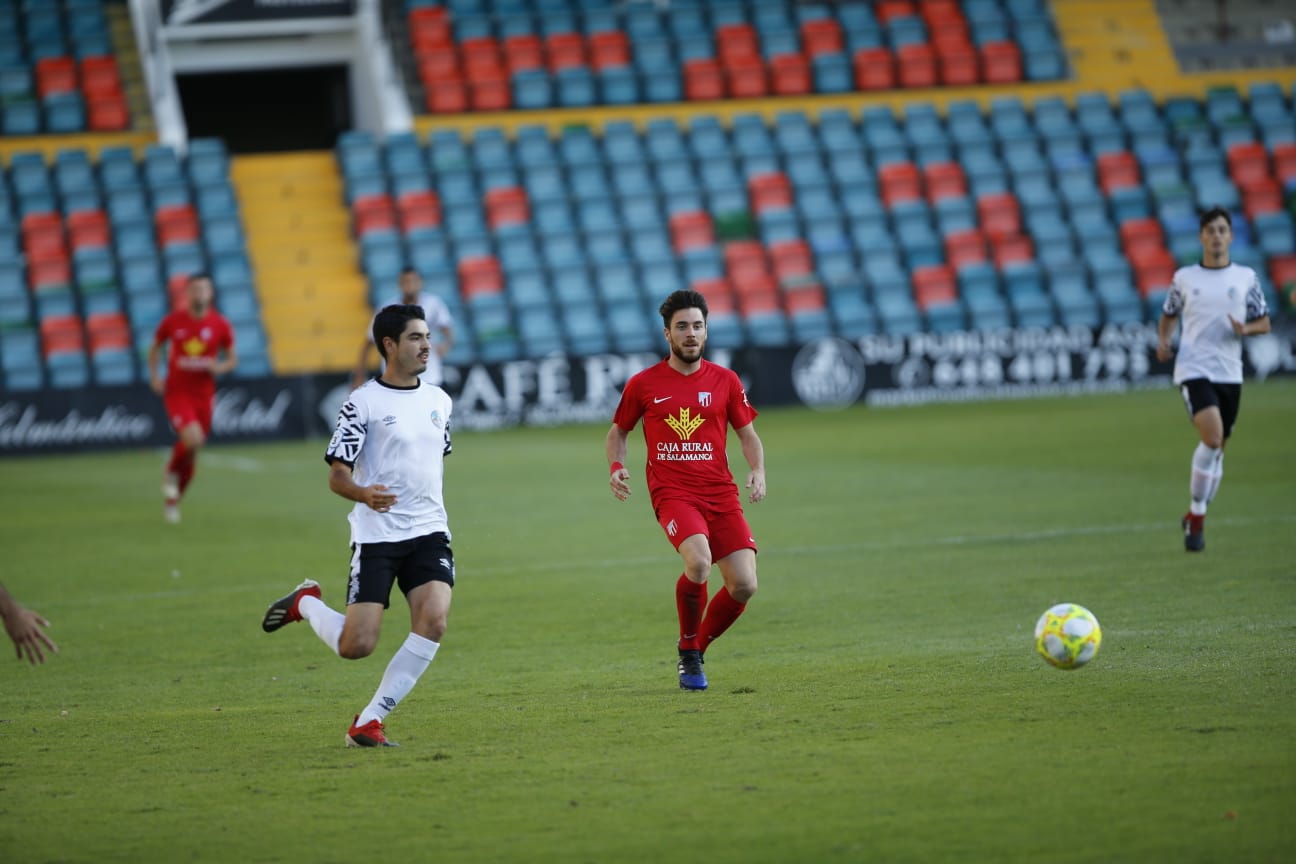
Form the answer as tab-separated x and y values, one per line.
658	401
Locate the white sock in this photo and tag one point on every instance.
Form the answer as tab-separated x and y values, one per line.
1203	470
1216	476
326	622
402	674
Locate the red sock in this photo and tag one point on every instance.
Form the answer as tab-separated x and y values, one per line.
690	602
720	614
178	453
185	470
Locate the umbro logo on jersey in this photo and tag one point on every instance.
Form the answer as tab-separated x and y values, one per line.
389	420
657	400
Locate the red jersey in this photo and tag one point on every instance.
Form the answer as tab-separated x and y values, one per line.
686	420
193	345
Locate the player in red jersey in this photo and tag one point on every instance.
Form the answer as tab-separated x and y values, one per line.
200	346
687	405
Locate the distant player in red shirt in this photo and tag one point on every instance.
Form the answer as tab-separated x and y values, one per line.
200	346
687	405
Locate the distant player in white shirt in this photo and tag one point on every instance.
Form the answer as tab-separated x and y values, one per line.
387	455
1218	303
440	326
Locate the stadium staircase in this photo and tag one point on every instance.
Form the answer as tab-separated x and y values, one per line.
122	36
299	240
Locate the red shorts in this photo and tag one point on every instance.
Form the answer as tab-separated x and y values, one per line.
726	529
184	407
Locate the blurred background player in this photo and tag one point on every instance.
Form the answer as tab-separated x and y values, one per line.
388	456
1218	302
200	345
25	629
439	322
687	405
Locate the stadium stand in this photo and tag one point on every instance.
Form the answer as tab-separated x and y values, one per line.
59	69
98	251
1015	214
492	55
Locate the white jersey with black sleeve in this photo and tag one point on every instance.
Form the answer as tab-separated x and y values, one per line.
1204	298
399	437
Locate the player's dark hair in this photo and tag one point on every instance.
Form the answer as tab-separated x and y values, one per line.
684	299
390	323
407	270
194	277
1216	212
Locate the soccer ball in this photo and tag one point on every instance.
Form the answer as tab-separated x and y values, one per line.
1068	636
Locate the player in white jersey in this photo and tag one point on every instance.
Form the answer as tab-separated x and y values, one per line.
387	455
439	321
1218	303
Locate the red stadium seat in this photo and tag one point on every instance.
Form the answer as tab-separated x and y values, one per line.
176	224
507	206
874	69
419	209
1140	234
901	181
99	78
791	258
108	330
944	180
719	296
999	215
769	192
737	41
757	302
753	281
691	230
61	333
565	50
790	75
1012	249
373	213
1117	170
1001	62
1282	270
889	9
807	297
523	51
490	91
609	48
1154	270
1284	162
429	28
108	115
703	80
746	78
1248	163
439	66
55	75
959	65
821	36
934	285
480	275
448	96
48	272
964	247
88	228
917	65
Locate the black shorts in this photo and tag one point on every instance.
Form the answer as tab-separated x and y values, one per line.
1200	393
375	567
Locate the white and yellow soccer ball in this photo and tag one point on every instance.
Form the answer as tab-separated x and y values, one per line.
1068	636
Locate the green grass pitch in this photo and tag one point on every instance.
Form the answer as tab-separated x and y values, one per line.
880	700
